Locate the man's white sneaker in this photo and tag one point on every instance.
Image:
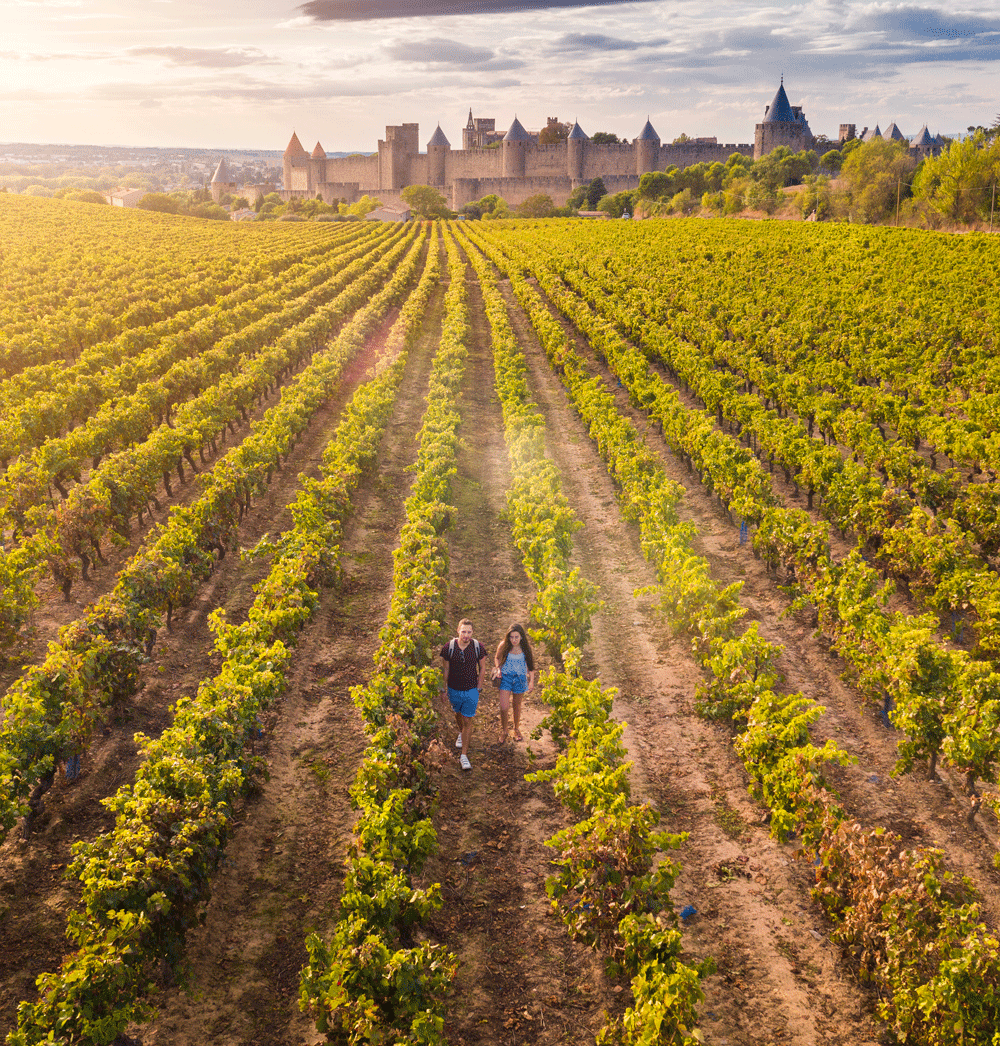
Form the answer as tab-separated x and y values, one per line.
464	763
458	741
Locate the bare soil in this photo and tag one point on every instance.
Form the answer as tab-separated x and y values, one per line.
521	979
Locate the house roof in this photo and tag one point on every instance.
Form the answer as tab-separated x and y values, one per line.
517	133
578	131
438	138
779	111
647	134
222	173
923	139
319	153
295	147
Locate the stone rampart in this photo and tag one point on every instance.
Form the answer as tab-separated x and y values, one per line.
687	154
361	169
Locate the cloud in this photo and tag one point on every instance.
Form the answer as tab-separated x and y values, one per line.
599	42
445	51
206	57
55	56
375	10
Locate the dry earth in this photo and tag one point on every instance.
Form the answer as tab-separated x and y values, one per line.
521	979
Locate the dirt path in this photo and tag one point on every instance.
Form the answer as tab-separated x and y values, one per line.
778	980
282	875
34	897
521	979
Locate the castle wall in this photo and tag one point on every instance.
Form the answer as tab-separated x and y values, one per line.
517	190
419	172
687	154
543	161
473	163
361	169
768	136
604	161
299	179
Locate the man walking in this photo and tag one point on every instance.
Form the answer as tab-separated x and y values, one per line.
464	664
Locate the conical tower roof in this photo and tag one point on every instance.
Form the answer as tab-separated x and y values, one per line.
893	134
319	153
871	135
295	147
779	111
923	139
647	134
578	132
438	138
517	133
223	174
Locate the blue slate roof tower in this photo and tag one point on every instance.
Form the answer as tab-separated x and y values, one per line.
647	150
576	146
783	124
438	149
514	148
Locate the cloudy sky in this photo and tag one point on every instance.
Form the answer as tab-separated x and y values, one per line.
245	73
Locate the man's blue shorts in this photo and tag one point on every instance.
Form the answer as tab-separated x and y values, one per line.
464	702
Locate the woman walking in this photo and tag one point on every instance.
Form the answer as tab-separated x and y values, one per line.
515	666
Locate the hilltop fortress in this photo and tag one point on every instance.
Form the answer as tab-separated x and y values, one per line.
515	165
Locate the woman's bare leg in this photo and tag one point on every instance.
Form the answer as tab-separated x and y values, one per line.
504	696
518	699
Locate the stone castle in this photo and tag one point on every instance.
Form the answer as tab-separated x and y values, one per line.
516	165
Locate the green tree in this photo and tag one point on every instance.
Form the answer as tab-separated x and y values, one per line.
538	206
959	184
595	190
158	201
487	207
656	185
86	196
832	161
554	132
619	203
364	206
426	202
605	138
876	174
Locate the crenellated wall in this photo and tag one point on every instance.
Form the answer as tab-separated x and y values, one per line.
470	174
687	154
473	163
361	169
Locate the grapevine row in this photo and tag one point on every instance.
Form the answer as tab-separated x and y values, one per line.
941	984
51	710
145	882
370	982
630	917
944	700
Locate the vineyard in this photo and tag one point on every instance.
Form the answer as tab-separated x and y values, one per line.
740	482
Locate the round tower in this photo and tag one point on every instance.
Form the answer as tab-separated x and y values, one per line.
317	167
575	146
295	156
783	124
438	149
514	148
223	183
647	150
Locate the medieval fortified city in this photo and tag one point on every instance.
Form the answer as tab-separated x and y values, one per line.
515	166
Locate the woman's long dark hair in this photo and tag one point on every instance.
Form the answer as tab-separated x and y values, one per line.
506	646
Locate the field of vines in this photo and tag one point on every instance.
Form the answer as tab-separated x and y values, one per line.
738	480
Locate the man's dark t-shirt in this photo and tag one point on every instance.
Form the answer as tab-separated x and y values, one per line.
463	665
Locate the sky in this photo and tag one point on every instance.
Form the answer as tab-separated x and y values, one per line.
246	73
